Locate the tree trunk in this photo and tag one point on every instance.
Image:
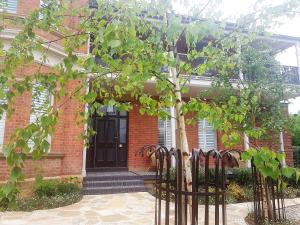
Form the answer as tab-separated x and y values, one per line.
183	142
267	204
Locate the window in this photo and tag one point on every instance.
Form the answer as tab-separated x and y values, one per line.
9	6
207	138
41	100
2	129
164	132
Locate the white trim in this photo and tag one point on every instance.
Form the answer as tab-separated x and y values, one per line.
54	51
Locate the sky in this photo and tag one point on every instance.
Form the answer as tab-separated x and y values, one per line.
231	9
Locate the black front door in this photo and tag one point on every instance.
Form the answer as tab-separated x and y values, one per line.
108	147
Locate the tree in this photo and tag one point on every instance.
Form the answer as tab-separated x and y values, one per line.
137	42
295	129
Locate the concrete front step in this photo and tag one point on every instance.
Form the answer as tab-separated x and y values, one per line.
98	176
108	183
113	190
113	182
108	169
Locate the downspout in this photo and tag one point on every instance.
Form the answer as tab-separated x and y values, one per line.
83	171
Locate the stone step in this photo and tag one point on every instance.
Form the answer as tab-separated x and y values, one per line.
106	176
113	190
112	178
107	169
108	183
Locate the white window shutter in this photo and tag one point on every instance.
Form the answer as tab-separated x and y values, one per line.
207	138
164	132
9	6
2	130
2	122
40	103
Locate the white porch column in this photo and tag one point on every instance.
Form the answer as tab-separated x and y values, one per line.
297	46
246	147
281	141
83	171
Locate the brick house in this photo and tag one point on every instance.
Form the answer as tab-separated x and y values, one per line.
120	134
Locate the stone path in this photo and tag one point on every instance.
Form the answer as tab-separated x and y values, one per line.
293	213
115	209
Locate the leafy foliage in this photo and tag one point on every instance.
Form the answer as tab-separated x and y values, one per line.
133	44
295	129
50	188
48	194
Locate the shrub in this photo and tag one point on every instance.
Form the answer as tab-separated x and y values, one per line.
50	188
241	176
236	192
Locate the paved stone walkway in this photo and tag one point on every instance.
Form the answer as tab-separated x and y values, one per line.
117	209
293	213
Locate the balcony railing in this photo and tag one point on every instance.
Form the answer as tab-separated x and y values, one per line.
291	74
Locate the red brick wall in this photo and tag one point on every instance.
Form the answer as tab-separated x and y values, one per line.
192	134
66	138
288	148
27	6
142	130
220	146
47	167
72	134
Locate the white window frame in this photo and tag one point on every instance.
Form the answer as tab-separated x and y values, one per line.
4	6
202	127
33	118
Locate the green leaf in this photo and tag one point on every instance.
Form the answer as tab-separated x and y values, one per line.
114	43
246	156
90	97
288	172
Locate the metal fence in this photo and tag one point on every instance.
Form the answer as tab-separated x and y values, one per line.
177	202
268	198
296	156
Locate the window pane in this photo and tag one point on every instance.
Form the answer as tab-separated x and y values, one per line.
123	130
123	113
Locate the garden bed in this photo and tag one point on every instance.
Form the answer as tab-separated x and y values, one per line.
47	195
250	221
